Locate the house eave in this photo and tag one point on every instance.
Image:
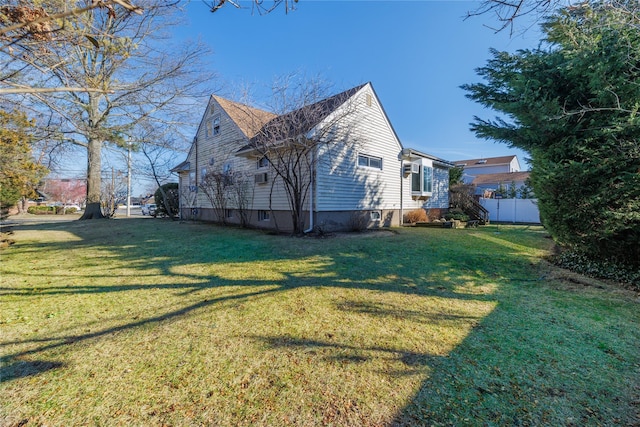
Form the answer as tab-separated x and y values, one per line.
410	153
182	167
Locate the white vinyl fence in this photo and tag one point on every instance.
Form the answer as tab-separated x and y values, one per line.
512	210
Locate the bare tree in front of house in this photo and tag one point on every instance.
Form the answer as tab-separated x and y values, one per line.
241	194
159	159
310	130
217	185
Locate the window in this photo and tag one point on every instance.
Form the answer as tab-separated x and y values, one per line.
262	162
216	124
422	177
375	215
193	185
228	213
203	173
369	161
227	168
263	216
427	179
227	171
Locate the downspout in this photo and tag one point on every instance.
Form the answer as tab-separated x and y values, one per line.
401	193
311	194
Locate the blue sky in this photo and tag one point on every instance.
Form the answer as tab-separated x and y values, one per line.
415	53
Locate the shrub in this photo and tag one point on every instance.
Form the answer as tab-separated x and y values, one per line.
599	268
171	190
457	214
41	210
416	215
358	221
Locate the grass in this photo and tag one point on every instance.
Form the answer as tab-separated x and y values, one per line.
148	322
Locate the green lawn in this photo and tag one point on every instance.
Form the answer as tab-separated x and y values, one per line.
148	322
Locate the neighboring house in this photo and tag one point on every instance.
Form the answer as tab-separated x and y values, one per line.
492	173
488	165
359	176
492	182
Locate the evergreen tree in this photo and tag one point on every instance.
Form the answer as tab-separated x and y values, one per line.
573	106
19	174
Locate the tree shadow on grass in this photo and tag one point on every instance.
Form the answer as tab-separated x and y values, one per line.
415	267
26	368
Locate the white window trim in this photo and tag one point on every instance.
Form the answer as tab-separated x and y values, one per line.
369	158
420	165
259	159
215	125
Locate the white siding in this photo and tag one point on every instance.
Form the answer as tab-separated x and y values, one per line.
212	152
342	185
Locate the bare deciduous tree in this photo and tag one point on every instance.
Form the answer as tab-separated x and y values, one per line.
507	12
135	77
260	6
216	185
310	128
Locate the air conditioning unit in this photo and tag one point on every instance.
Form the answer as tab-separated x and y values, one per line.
261	178
415	168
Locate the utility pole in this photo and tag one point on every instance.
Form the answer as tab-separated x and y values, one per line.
129	179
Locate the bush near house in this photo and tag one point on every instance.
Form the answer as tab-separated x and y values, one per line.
457	214
416	215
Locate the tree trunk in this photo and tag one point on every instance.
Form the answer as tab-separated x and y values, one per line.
94	165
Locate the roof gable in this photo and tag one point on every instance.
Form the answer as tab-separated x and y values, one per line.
486	161
497	178
248	119
300	121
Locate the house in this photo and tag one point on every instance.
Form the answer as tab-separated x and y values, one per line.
483	166
491	174
336	164
508	182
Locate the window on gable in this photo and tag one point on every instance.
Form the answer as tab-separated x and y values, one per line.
215	123
367	161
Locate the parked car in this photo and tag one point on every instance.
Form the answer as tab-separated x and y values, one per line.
153	210
146	209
